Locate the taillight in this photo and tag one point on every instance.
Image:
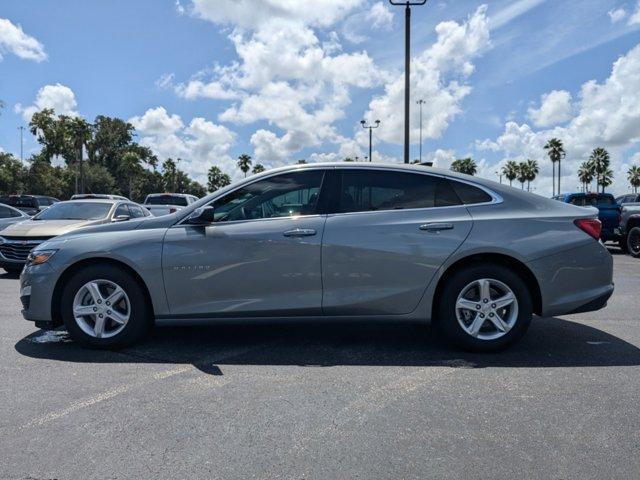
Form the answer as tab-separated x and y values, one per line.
591	226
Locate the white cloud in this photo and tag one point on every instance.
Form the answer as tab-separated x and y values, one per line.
58	97
199	145
156	121
514	10
14	40
617	14
357	26
607	115
634	19
254	14
438	76
555	108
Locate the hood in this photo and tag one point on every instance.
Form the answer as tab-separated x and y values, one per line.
46	228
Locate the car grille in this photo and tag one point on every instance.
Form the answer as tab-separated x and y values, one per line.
18	248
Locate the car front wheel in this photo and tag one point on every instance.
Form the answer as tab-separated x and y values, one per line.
484	308
103	306
633	242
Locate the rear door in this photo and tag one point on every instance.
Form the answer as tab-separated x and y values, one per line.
389	235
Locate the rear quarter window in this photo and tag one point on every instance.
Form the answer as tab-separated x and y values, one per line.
470	194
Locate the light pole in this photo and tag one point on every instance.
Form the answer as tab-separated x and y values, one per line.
21	128
500	175
420	102
407	66
370	127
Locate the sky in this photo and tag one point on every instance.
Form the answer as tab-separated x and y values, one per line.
283	80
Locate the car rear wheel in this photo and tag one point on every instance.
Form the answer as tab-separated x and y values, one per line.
484	308
633	242
105	307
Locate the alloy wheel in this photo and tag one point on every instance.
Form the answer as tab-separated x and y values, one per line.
101	308
487	309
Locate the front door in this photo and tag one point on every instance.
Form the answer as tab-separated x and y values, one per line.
391	233
261	257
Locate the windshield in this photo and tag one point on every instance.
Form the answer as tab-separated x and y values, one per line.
75	211
166	200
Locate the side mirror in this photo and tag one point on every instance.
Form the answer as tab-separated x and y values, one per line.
121	218
201	216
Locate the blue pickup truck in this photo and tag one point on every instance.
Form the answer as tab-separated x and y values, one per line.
608	210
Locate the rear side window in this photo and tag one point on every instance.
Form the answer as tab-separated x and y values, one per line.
470	194
136	211
592	200
6	212
373	190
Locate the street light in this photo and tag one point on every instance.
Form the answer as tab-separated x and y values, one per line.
370	127
407	66
420	102
21	128
499	174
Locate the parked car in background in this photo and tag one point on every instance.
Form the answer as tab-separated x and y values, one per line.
10	215
337	241
160	210
17	240
177	199
629	198
85	196
629	229
608	211
30	204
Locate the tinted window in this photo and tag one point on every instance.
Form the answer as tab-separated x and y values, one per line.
371	190
21	202
280	196
470	194
122	210
592	200
7	212
166	200
74	211
136	211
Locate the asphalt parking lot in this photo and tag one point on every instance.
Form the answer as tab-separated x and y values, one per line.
325	401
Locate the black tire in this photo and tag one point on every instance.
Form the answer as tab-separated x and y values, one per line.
622	243
13	271
633	242
140	315
446	322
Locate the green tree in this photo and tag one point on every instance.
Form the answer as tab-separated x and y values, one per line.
606	178
600	160
633	175
302	161
510	171
217	179
522	174
348	159
258	168
13	174
49	133
44	179
531	170
244	163
465	165
585	175
555	151
170	175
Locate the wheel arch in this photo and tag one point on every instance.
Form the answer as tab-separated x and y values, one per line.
634	221
491	258
92	262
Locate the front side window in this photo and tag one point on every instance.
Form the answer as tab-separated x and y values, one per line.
136	211
5	212
373	190
286	195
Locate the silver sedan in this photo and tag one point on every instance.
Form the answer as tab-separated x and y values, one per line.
340	241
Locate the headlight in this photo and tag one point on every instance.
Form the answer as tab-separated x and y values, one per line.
40	257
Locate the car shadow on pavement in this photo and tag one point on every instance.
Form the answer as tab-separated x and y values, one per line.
550	342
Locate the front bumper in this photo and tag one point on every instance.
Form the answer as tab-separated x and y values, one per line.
37	284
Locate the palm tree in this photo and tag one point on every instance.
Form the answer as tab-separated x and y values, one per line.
556	153
523	175
585	175
216	179
600	160
531	169
244	163
606	178
302	161
258	168
510	171
465	165
633	175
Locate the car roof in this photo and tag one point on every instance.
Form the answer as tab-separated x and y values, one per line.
97	200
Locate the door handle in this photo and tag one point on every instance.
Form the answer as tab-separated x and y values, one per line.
300	232
436	227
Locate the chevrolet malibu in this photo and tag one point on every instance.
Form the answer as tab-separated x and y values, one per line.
340	241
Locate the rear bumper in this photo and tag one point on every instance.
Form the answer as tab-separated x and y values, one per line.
575	281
